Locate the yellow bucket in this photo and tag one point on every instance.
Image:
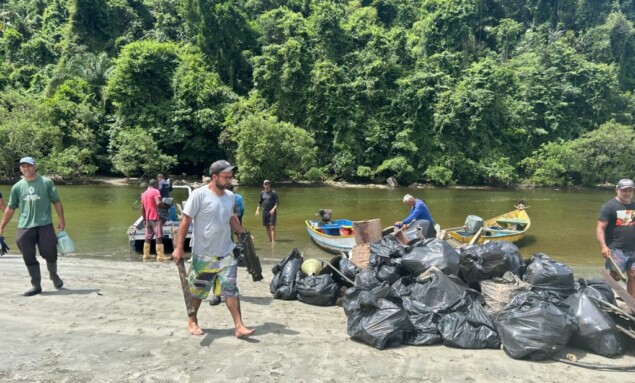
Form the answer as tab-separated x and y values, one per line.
311	266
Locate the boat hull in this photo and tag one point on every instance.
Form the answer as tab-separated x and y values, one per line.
136	236
334	237
514	226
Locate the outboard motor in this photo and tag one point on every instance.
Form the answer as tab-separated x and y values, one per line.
325	214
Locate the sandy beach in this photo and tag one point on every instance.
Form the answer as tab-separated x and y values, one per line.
126	322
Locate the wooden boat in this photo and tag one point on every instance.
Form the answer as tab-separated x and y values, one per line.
136	231
335	236
510	227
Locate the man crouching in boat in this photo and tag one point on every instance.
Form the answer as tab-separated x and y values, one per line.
213	264
418	211
616	232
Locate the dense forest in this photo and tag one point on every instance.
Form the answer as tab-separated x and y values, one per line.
473	92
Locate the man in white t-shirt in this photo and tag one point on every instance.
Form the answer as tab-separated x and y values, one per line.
211	207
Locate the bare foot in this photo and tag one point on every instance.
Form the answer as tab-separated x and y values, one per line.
193	328
244	332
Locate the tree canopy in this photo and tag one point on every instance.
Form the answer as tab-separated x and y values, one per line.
477	92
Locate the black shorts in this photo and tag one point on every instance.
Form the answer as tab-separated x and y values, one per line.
269	219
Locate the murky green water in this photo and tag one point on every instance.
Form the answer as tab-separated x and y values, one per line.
563	222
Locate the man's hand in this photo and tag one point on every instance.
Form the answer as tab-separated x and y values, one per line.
177	254
61	224
606	252
3	246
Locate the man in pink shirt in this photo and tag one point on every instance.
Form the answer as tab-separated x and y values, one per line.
150	202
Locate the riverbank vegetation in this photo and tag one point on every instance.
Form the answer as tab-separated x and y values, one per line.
475	92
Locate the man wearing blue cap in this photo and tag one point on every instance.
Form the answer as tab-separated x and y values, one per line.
33	195
615	232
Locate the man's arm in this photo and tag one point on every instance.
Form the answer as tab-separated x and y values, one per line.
275	205
159	201
600	231
6	217
59	208
235	225
2	205
177	253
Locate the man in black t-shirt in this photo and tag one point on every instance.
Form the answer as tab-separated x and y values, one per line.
269	203
616	231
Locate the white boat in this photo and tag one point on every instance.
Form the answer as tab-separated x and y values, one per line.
136	231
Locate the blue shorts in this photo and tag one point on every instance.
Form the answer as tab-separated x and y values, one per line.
218	273
623	259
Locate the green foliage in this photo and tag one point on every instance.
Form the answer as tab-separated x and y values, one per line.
25	129
438	175
271	149
200	104
398	167
551	165
441	91
605	154
70	163
140	87
135	153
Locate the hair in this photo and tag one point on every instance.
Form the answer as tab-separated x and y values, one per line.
160	175
407	198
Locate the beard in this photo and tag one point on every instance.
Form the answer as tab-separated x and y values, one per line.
220	185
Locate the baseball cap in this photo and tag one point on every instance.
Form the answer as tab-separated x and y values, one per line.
221	166
30	160
266	182
625	183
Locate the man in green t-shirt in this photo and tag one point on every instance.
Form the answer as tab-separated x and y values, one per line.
33	195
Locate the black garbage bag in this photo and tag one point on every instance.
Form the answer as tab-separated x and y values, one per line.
374	319
403	286
532	328
425	331
428	299
286	273
596	288
596	330
388	273
387	247
545	274
489	260
366	279
469	328
439	294
319	290
437	253
347	268
239	254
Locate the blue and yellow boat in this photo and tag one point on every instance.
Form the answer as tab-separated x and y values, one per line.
335	236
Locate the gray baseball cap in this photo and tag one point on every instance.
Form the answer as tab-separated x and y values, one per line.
31	161
625	184
221	166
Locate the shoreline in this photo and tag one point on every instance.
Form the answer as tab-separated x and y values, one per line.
195	181
126	321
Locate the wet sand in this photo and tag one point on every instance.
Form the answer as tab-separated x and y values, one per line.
126	322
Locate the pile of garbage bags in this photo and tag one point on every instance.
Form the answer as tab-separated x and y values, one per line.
290	282
479	296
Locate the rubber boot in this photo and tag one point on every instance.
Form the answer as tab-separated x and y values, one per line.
146	252
36	278
161	253
57	281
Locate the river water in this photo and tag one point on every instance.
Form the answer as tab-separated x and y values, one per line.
563	221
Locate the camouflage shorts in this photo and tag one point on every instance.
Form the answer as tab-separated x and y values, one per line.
624	259
217	273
